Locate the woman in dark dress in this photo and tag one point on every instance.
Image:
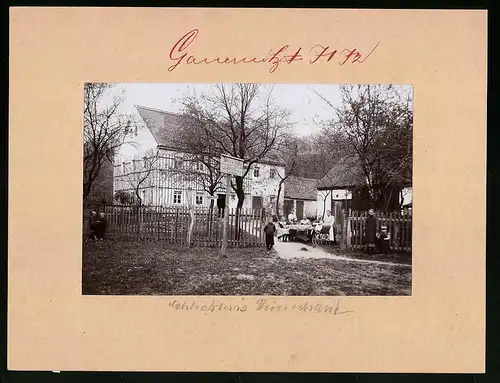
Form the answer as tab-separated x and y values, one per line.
371	231
100	226
269	230
92	225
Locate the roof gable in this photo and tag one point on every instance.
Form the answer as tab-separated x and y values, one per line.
164	126
300	188
345	173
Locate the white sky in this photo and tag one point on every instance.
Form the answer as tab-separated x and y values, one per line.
305	106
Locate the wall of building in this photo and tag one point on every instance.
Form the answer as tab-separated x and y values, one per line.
407	195
310	208
266	185
324	199
173	180
138	144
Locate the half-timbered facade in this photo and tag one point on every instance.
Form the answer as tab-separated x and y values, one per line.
168	177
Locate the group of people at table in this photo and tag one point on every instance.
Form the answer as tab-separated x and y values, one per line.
290	229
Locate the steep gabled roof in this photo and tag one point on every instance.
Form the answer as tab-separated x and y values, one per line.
300	188
164	126
345	173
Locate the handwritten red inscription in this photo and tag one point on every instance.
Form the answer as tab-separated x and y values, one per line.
181	54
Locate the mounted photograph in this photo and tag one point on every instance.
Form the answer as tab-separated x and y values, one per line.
252	189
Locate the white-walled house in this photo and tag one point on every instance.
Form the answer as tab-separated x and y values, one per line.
164	186
328	198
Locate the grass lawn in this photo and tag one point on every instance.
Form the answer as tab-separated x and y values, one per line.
393	256
128	268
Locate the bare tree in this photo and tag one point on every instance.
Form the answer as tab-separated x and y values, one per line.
230	120
104	129
289	154
201	154
140	176
374	125
201	171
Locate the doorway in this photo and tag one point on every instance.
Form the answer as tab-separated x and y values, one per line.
221	201
256	202
300	210
287	207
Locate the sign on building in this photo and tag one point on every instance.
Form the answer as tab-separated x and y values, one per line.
231	165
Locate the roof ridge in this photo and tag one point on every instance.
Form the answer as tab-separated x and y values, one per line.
156	110
303	178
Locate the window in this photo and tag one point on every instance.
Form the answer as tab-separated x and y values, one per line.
199	166
256	172
177	196
199	199
272	173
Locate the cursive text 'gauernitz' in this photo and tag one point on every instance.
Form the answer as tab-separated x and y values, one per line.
182	53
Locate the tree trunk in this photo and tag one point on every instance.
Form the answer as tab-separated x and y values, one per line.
240	192
210	214
86	190
278	213
191	225
324	205
139	214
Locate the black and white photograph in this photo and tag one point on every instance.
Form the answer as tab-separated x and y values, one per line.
247	189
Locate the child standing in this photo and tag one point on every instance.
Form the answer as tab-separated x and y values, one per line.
384	238
282	230
269	230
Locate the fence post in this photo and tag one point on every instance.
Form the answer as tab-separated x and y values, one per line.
343	230
349	232
247	237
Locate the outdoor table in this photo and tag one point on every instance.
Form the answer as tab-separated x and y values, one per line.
303	232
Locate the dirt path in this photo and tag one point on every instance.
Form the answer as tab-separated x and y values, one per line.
291	250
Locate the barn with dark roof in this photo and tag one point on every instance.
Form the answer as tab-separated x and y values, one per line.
344	187
301	196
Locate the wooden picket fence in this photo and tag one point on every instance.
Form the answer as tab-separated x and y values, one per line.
171	225
400	228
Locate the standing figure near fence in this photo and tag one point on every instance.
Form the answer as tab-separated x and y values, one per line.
371	232
283	231
100	226
92	224
384	238
269	230
330	220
